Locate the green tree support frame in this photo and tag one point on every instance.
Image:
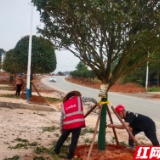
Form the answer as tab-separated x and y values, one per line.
102	127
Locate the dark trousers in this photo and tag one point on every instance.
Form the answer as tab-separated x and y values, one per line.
65	133
150	134
18	89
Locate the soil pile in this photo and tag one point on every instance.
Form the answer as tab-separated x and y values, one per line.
155	96
36	99
112	152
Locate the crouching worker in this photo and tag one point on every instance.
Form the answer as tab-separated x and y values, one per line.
72	120
137	123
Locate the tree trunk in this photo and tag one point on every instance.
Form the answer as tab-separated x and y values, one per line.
102	127
11	79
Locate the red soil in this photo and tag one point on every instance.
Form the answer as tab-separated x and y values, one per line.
34	98
155	96
4	74
112	152
126	88
4	81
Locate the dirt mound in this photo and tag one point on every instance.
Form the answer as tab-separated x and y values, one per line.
155	96
112	152
36	99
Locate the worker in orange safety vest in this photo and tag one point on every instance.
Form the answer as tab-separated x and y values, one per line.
72	120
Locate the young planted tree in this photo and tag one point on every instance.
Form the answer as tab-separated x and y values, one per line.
98	31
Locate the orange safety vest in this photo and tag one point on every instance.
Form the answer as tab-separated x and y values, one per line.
72	111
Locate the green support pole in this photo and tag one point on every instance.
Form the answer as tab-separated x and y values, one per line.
30	94
102	127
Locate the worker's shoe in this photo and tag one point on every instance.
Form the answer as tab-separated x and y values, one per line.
56	152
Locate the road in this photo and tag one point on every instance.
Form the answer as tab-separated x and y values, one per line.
139	105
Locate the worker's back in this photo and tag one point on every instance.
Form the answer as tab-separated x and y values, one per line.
138	121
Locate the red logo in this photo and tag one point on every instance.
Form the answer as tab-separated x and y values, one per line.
147	152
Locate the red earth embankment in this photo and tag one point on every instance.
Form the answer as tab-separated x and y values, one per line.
126	88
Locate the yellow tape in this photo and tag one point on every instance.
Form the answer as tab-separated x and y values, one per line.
107	102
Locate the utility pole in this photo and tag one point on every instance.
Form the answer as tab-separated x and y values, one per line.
29	56
147	70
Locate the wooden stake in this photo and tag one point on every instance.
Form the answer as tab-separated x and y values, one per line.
90	149
136	142
114	131
90	110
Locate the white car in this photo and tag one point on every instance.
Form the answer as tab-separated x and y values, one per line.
52	79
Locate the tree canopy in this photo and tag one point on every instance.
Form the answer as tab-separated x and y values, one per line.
43	59
82	71
81	67
104	35
111	37
9	63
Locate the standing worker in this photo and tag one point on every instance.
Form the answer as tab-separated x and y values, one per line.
137	123
19	83
72	120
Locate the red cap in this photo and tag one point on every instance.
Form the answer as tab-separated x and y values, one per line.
119	108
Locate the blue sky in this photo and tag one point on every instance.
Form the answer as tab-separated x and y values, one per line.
15	23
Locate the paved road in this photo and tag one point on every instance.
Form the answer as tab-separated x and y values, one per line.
146	107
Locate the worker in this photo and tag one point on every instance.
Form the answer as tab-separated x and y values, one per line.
136	123
72	120
19	83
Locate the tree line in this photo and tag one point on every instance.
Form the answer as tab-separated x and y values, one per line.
82	71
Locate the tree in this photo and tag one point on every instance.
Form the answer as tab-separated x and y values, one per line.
43	58
98	30
81	67
9	63
60	73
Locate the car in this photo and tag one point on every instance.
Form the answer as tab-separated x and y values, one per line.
52	79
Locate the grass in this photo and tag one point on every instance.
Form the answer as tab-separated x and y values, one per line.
63	152
42	149
24	145
16	157
87	141
38	158
19	145
49	99
123	143
50	129
153	89
87	130
6	88
9	96
21	140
